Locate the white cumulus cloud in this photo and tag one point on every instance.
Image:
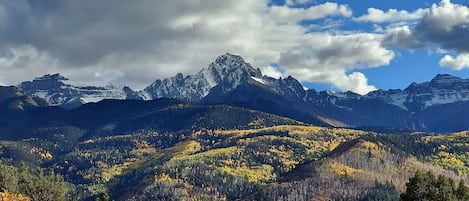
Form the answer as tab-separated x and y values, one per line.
285	14
271	72
458	63
446	16
356	82
392	15
330	60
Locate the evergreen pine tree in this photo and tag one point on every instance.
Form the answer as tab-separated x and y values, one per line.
462	192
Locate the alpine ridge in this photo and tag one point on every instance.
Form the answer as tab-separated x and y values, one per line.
443	89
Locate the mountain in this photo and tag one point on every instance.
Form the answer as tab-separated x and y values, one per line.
14	98
348	109
56	90
282	97
15	107
23	117
9	92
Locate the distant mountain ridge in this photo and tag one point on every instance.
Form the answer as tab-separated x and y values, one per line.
57	92
443	89
230	80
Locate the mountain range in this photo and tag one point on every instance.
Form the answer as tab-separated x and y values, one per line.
228	133
436	105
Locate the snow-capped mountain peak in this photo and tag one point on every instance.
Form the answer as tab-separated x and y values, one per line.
445	78
228	69
56	90
230	60
442	89
56	77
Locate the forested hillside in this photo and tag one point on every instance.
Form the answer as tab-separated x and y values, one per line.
269	163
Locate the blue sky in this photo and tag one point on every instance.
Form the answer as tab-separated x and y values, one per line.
356	46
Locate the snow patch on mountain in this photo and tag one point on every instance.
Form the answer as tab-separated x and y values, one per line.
259	80
399	100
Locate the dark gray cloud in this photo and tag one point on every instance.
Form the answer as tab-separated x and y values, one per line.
402	36
449	38
82	32
154	38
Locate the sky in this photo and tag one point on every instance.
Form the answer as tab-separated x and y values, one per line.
357	46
